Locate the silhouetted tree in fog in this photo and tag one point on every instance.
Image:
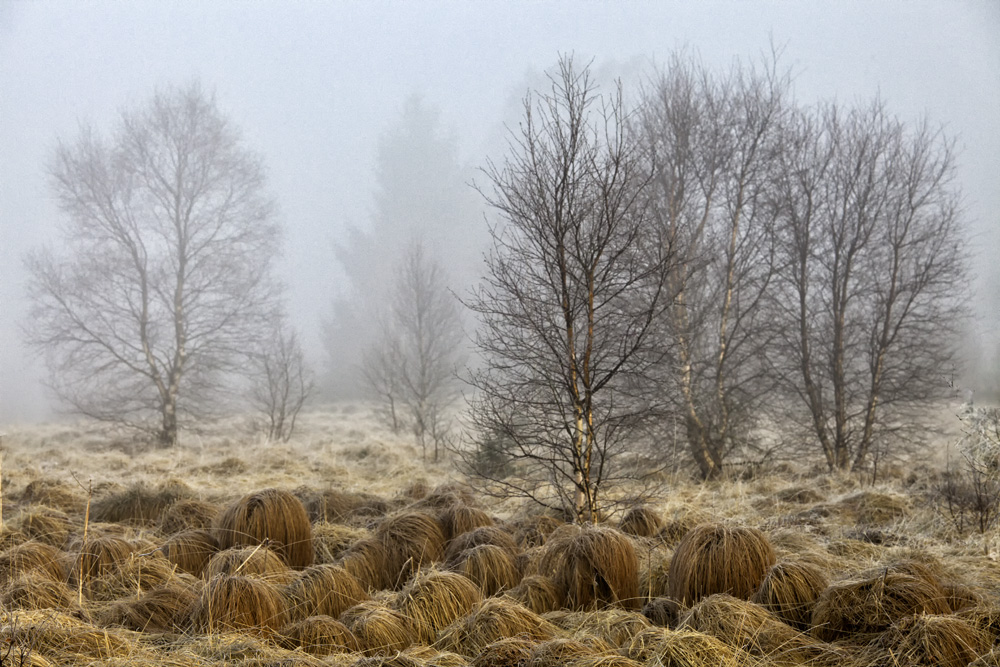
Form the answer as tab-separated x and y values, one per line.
574	284
165	279
873	274
279	382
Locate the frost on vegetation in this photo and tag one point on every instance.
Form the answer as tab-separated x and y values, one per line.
968	494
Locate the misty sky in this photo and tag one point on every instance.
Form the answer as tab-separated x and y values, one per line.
313	85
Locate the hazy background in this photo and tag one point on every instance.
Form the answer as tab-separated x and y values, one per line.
319	89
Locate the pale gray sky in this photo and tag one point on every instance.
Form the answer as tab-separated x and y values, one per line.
314	84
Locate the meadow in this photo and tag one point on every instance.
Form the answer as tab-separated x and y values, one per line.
344	547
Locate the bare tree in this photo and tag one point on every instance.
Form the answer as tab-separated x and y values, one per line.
711	141
280	383
166	279
873	274
575	281
413	364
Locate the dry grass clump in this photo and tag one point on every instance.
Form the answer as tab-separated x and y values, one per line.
961	596
713	558
641	521
942	641
663	611
435	599
857	610
336	506
98	558
431	657
506	652
491	534
331	540
379	629
138	503
37	557
397	660
366	561
319	635
323	590
790	591
229	602
558	652
162	609
460	518
43	524
750	627
257	562
188	514
64	639
873	508
37	591
654	570
681	648
54	493
533	531
607	660
675	528
273	515
492	620
411	539
190	550
615	626
132	576
800	495
538	593
492	568
596	567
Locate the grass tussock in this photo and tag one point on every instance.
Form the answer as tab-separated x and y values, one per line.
434	599
460	518
654	569
323	590
55	494
506	652
492	534
411	540
538	593
641	521
713	558
491	567
99	558
138	503
66	640
271	515
614	626
366	561
237	603
190	550
596	567
492	620
859	609
332	540
681	648
319	635
790	591
258	562
43	524
663	612
379	629
34	557
534	530
162	609
32	591
874	508
188	514
942	641
132	576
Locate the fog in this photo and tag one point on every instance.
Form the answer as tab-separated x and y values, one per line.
355	107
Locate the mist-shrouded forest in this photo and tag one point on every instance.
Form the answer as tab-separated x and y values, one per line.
499	334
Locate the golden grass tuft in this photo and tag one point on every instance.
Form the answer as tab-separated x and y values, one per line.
561	651
43	524
641	521
506	652
379	629
790	591
614	626
319	635
713	558
534	530
750	627
332	540
366	561
397	660
336	506
55	494
190	550
492	568
873	508
492	534
188	514
132	576
597	566
244	604
663	611
162	609
681	648
323	590
411	540
492	620
32	590
257	562
434	599
37	557
538	593
924	639
99	558
431	657
138	503
64	639
654	569
273	515
458	519
859	609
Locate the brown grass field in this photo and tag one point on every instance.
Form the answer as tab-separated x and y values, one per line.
343	547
